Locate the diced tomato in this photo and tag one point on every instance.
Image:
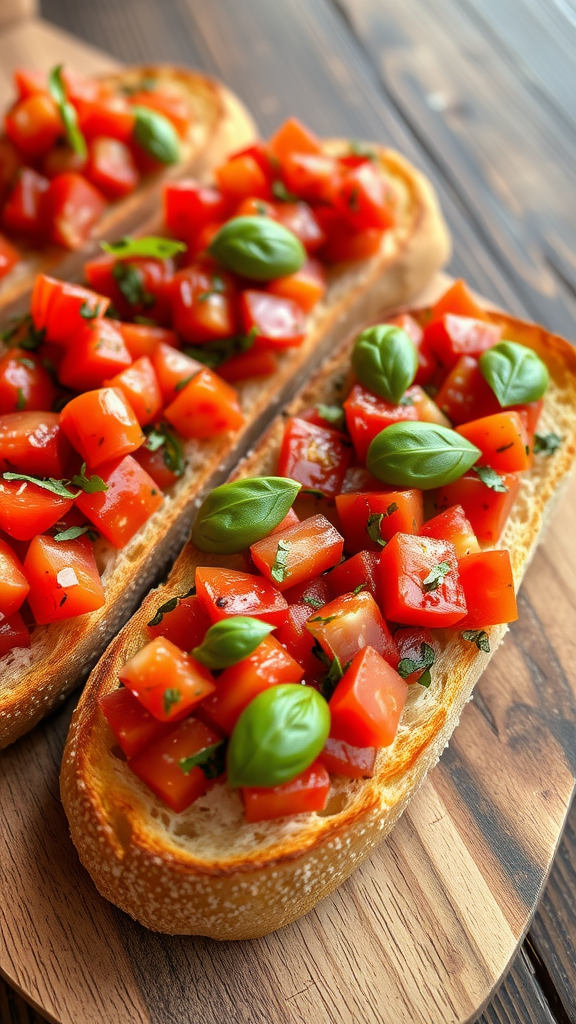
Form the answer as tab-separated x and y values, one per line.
173	107
340	758
383	513
73	208
278	322
406	563
63	577
254	207
24	212
98	353
202	304
205	407
101	425
197	248
14	586
13	633
355	574
315	593
166	681
137	287
111	168
459	301
131	498
158	765
241	177
185	625
252	363
173	370
33	443
61	160
465	395
226	592
105	116
502	439
62	309
143	339
358	479
452	525
316	457
310	176
305	287
293	137
306	793
26	509
350	623
299	218
190	206
156	466
298	554
133	726
345	244
489	588
451	337
426	408
367	415
30	83
25	385
367	703
140	387
269	665
33	124
409	642
299	642
9	256
365	198
260	152
486	508
530	414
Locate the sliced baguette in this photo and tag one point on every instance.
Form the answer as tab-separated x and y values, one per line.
207	871
219	124
33	680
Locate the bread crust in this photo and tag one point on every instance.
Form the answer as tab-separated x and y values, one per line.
219	124
207	871
32	683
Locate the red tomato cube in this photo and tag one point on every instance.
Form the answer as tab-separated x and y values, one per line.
190	206
314	456
451	337
465	395
340	758
24	211
14	586
305	287
205	407
409	641
61	309
64	579
279	323
298	554
356	572
299	642
133	726
159	764
349	624
454	526
486	509
367	415
459	301
306	793
242	177
380	514
111	168
166	681
185	625
34	443
365	198
98	353
129	501
34	124
226	592
26	510
13	633
419	582
368	701
488	584
101	425
203	304
502	439
24	383
73	208
144	339
293	137
139	385
299	218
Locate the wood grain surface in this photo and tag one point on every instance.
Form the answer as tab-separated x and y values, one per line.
372	70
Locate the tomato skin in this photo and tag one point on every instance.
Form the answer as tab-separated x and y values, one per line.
367	415
355	622
34	125
465	395
25	385
299	642
56	308
299	218
26	510
190	206
64	579
530	414
9	257
454	336
459	301
101	425
33	443
305	287
111	168
166	681
172	369
200	312
157	765
226	592
316	590
269	665
453	525
242	177
14	586
487	510
13	633
306	793
405	563
185	625
139	386
154	276
155	465
24	210
252	363
143	339
354	511
358	479
293	137
368	701
313	177
365	198
132	497
489	588
105	116
314	545
502	439
280	323
316	457
133	726
358	571
205	407
409	642
344	244
340	758
73	208
426	409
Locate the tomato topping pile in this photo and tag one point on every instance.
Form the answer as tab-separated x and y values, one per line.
375	538
71	145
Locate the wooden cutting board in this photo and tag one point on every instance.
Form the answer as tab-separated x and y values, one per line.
420	934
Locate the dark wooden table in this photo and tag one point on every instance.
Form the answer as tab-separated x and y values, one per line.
479	93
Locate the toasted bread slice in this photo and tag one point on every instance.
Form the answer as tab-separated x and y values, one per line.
207	871
33	680
219	124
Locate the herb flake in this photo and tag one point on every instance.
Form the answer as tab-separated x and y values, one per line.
479	637
279	570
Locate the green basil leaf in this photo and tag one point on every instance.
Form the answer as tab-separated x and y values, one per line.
417	454
238	514
373	528
67	112
257	247
54	486
89	484
151	245
72	533
279	570
156	135
384	359
333	414
546	444
231	640
479	637
212	760
277	736
514	372
279	191
490	478
330	682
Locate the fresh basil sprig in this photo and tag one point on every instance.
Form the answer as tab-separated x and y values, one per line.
238	514
67	112
417	454
277	736
156	135
514	372
231	640
150	245
384	359
257	247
